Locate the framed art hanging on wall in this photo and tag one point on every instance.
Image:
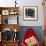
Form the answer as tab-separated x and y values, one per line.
30	13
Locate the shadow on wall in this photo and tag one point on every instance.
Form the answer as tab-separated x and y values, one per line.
37	29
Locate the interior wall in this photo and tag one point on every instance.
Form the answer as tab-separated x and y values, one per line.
21	4
37	3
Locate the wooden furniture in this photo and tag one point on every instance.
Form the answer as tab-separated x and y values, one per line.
11	26
4	13
7	11
10	43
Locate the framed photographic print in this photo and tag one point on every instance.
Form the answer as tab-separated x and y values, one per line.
5	12
30	13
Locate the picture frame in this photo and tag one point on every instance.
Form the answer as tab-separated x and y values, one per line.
30	13
5	12
13	12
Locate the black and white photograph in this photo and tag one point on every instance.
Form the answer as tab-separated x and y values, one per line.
30	13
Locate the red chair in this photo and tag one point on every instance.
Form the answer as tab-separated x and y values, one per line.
29	33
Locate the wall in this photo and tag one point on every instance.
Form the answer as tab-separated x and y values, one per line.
38	3
22	3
